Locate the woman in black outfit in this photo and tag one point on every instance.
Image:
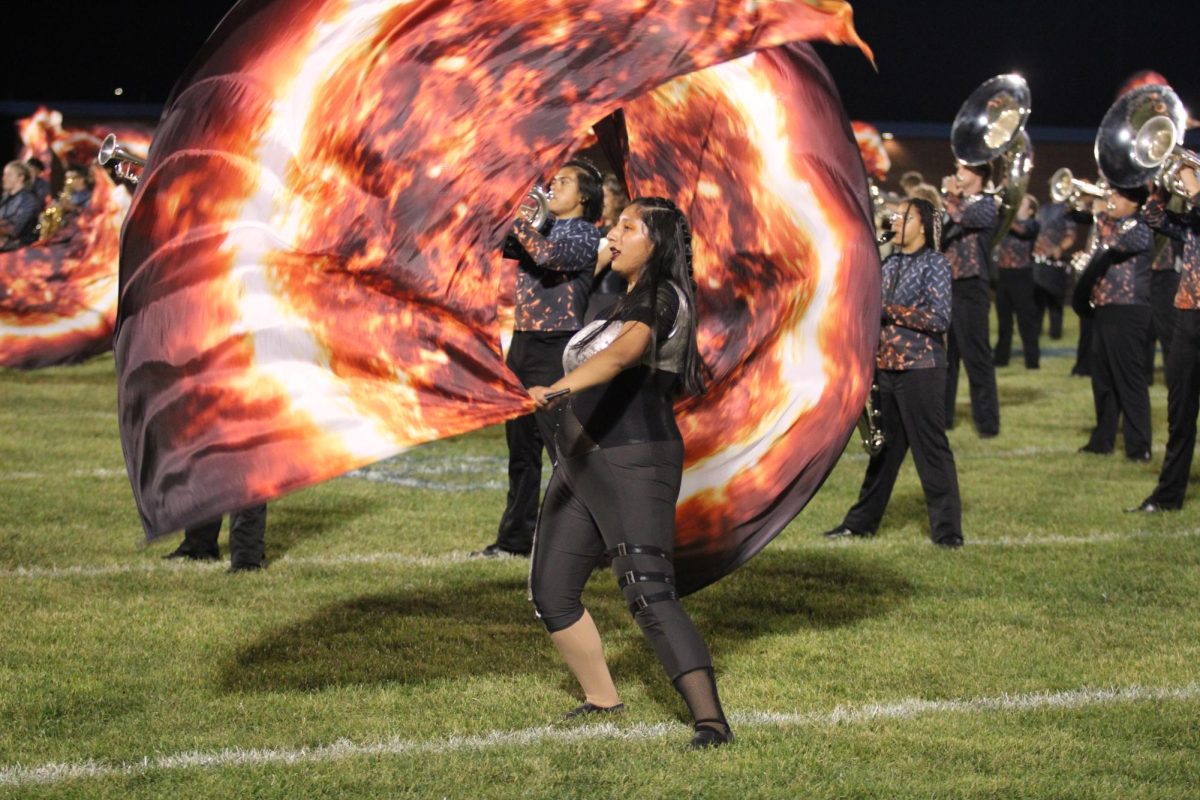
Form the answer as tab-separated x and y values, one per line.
619	466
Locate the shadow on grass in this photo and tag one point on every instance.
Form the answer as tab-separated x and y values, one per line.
308	515
454	630
1018	395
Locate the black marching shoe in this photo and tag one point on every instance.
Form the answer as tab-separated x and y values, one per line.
707	736
247	567
842	532
496	551
587	709
179	552
1087	448
1148	506
1139	458
950	542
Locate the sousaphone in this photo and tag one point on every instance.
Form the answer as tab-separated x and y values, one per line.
990	129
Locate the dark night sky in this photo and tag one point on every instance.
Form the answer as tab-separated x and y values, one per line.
931	53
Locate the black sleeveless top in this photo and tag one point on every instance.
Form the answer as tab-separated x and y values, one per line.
637	405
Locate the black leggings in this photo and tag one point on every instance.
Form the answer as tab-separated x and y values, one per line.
619	499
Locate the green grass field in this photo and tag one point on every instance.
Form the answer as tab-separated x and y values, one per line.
1053	657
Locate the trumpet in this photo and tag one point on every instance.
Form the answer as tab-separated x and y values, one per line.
1066	188
1157	146
110	150
535	207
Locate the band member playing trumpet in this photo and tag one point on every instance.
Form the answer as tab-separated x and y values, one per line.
1014	287
1119	277
1183	366
967	244
911	374
553	278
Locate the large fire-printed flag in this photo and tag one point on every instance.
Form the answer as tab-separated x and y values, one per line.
311	269
58	298
870	146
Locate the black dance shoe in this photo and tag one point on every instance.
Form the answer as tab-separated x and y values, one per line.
591	708
496	551
248	567
1150	507
950	543
1139	458
707	737
179	552
842	532
1087	448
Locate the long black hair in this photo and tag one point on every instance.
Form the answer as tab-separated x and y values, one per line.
670	262
931	220
591	187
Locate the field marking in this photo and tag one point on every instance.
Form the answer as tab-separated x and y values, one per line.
463	556
413	473
17	775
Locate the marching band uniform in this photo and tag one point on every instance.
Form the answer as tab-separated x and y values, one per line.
1183	366
1014	293
1164	283
553	279
966	243
911	373
1056	235
1119	331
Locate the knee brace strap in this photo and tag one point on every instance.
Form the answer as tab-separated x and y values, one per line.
624	549
631	577
643	600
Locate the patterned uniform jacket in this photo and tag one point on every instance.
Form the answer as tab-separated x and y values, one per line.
1058	231
555	274
916	311
1130	244
1016	248
1184	228
967	239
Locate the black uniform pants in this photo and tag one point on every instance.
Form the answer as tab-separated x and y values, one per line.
247	537
968	342
1119	378
1052	303
614	498
910	415
535	357
1183	404
1083	349
1014	295
1163	285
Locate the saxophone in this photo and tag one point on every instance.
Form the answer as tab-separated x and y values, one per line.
51	220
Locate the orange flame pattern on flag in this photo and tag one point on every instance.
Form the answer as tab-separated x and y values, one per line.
870	145
58	299
310	273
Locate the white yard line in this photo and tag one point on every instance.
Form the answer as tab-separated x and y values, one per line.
17	775
461	556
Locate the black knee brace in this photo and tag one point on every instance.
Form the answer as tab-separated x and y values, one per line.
638	585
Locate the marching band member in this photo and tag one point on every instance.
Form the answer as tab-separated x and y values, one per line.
1118	279
19	208
911	374
1014	287
967	244
1183	366
553	278
1056	236
620	466
1164	284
